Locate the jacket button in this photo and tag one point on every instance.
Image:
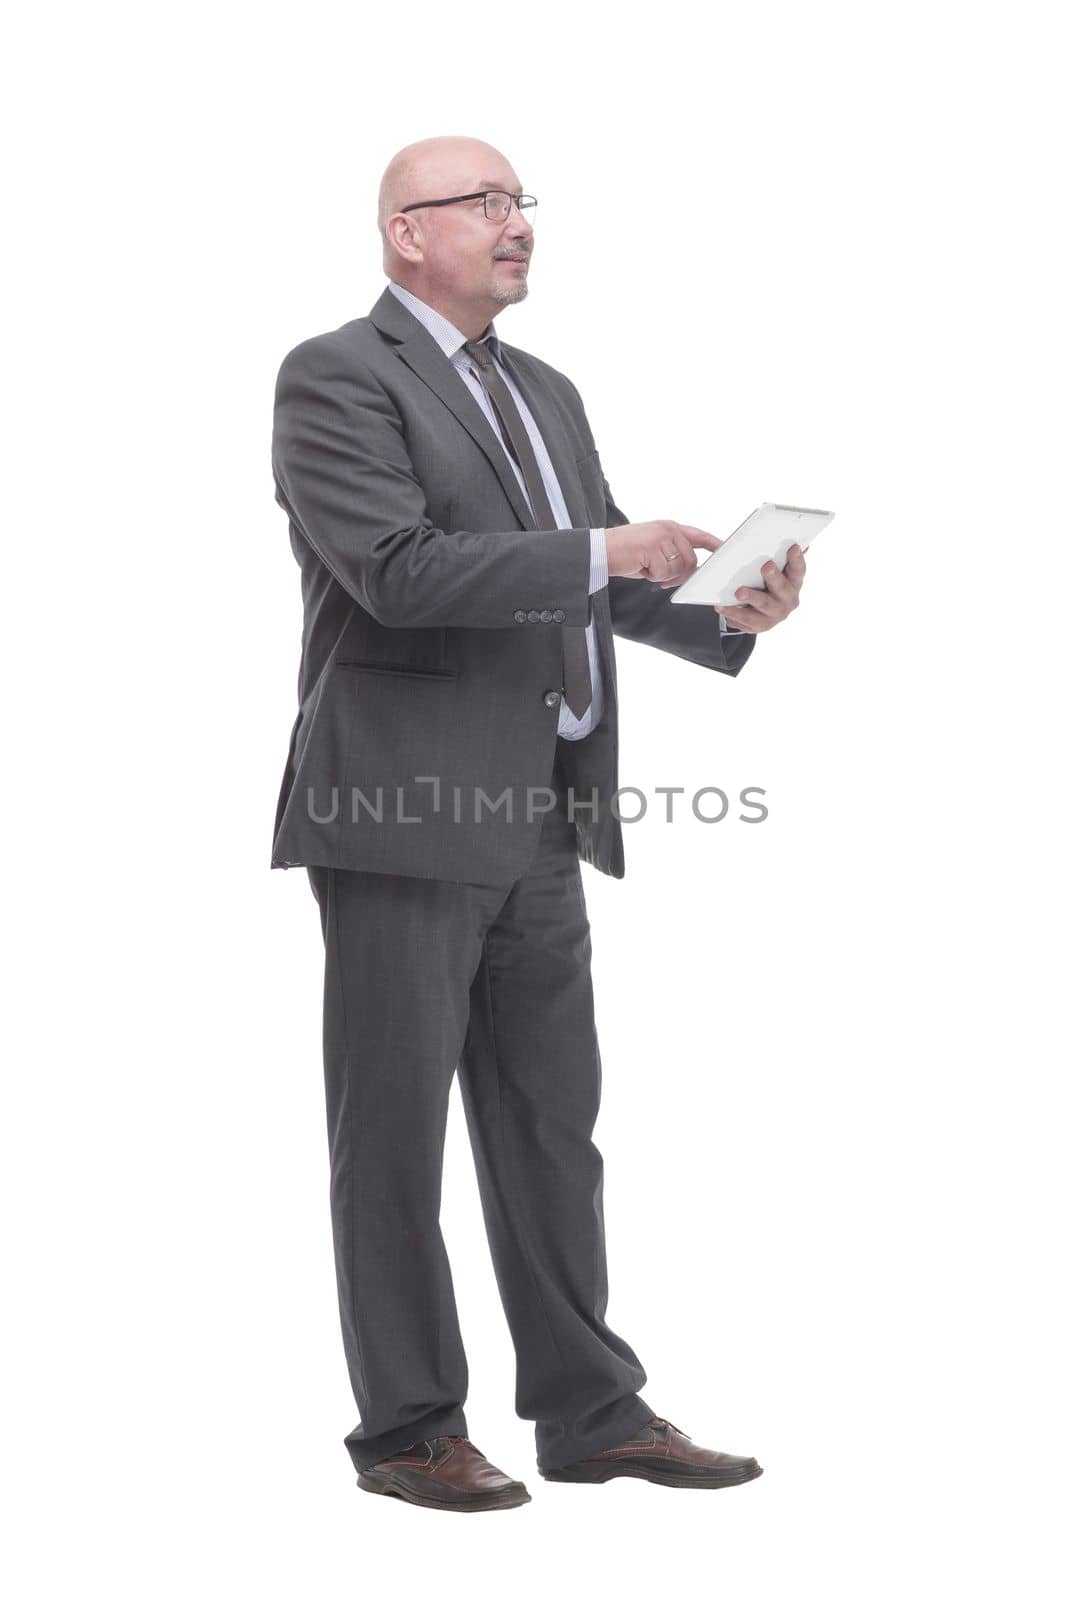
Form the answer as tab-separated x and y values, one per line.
533	616
551	697
558	616
520	616
546	616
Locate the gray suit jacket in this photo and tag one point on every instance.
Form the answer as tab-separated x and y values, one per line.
431	666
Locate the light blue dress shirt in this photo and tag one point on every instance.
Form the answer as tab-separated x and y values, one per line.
452	341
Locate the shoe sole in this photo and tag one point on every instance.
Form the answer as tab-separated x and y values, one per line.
601	1472
377	1483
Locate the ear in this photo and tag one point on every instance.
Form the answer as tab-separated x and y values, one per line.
405	236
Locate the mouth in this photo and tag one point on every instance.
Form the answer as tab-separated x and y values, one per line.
515	261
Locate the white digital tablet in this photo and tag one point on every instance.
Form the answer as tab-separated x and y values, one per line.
765	535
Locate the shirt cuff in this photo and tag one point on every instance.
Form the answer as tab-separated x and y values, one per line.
598	559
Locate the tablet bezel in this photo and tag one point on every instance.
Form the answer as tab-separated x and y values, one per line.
689	592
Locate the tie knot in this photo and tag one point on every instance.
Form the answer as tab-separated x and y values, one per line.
480	352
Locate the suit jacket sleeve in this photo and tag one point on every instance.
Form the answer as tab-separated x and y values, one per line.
343	474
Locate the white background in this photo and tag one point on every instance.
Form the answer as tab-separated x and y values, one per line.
808	253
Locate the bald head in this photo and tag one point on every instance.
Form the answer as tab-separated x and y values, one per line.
431	169
454	258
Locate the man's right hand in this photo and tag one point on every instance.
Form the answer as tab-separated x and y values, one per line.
662	552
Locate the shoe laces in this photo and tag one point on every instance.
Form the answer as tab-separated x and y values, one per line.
459	1438
673	1425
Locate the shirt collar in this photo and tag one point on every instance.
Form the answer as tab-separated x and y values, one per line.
448	337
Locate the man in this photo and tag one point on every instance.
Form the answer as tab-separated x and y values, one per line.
455	755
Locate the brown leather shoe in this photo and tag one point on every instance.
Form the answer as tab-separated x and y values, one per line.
448	1473
661	1453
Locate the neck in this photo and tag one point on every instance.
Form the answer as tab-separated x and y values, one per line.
471	320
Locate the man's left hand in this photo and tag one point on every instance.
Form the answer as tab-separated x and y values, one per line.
761	609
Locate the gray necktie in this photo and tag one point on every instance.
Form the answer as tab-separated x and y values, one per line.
577	684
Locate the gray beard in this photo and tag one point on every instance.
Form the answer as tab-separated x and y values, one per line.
509	297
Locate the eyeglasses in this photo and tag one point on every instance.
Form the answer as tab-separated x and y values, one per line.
496	202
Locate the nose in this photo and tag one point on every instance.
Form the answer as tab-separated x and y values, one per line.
518	226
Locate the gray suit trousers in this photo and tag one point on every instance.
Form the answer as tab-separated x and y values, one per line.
423	975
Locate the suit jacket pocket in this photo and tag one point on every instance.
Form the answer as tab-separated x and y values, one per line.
398	669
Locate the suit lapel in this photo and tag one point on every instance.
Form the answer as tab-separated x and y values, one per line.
419	350
550	420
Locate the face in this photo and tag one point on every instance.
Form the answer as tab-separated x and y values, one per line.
458	260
